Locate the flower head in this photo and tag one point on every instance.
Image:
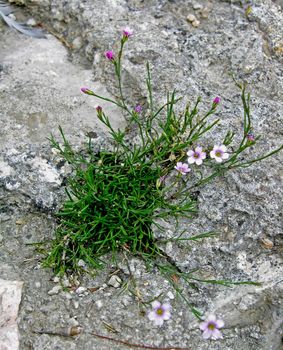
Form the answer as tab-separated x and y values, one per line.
98	109
138	109
216	101
127	32
183	168
219	153
87	91
250	137
109	55
210	328
196	156
160	313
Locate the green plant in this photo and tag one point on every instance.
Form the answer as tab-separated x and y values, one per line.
116	196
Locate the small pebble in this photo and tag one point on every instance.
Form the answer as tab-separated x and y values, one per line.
73	322
99	304
81	290
12	16
170	295
204	12
267	243
81	263
191	18
56	279
31	22
115	281
55	290
197	6
195	23
76	304
37	284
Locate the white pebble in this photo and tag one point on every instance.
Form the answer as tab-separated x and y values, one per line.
99	304
55	290
115	281
31	22
170	295
56	279
195	23
76	304
197	6
191	18
37	284
81	290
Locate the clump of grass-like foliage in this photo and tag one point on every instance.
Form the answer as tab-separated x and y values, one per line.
116	196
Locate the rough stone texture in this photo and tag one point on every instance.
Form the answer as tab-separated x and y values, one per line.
10	298
245	206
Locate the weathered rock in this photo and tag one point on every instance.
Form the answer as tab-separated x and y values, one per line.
10	298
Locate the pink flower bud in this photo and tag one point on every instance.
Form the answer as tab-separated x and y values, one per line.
87	91
109	55
98	109
216	100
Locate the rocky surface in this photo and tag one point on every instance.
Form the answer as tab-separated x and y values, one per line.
39	89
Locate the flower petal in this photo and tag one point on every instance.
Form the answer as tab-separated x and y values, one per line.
155	304
218	159
203	155
199	161
152	315
191	160
190	153
159	321
166	316
219	323
212	154
203	325
167	306
216	334
223	148
211	318
198	149
225	155
207	334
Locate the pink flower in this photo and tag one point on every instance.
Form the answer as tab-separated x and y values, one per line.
216	101
138	108
109	55
196	156
98	109
210	328
127	32
250	137
183	168
219	153
160	313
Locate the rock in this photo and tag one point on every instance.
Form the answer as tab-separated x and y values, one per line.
10	298
115	281
31	22
197	6
1	238
191	18
55	290
196	23
81	290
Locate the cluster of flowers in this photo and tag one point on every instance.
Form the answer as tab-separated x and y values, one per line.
210	327
219	153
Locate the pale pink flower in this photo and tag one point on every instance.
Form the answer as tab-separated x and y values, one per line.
196	156
183	168
127	32
219	153
160	313
210	328
138	108
250	137
98	108
109	55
